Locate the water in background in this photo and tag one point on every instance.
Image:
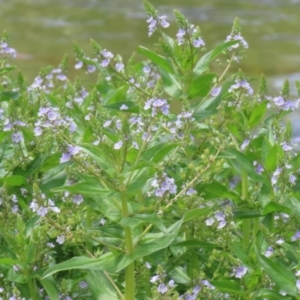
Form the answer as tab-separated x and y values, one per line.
42	31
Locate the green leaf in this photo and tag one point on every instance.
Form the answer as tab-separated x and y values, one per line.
257	115
196	213
13	180
101	157
50	287
196	244
161	153
293	204
53	178
179	275
170	83
115	95
6	96
268	294
279	274
132	107
273	206
203	63
85	188
201	86
157	59
246	214
215	189
100	285
228	286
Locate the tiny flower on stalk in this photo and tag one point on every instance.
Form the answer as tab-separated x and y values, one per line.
239	272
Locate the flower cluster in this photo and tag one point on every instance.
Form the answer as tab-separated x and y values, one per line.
219	217
6	51
192	33
155	23
157	105
42	210
164	185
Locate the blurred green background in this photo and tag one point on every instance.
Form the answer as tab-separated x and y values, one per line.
42	31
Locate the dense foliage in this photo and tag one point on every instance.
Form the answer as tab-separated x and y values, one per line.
167	178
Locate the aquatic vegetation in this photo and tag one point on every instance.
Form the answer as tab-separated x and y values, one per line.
166	177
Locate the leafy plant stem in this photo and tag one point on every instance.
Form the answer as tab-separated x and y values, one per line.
129	271
246	222
32	289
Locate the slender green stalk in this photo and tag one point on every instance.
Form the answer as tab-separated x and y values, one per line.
246	222
88	226
32	290
129	271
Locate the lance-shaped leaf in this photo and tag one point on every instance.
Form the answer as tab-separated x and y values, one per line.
200	86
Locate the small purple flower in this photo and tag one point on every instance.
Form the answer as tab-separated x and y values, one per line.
50	245
17	137
245	144
15	209
292	179
107	123
278	101
240	271
82	284
216	91
190	192
269	251
154	278
241	84
42	211
37	131
171	283
198	42
102	221
296	236
65	157
207	284
209	221
222	224
148	265
91	68
77	199
162	288
118	145
119	67
61	77
123	107
286	147
60	239
79	65
298	284
105	63
73	150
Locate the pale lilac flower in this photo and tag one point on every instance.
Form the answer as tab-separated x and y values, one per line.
209	221
107	123
280	241
105	63
283	293
222	224
207	284
61	77
135	145
245	144
148	265
119	67
269	251
60	239
79	65
296	236
82	284
123	107
50	245
37	131
52	115
190	192
292	179
236	37
17	137
286	147
239	272
278	101
154	278
147	69
118	145
198	42
65	157
15	209
297	273
163	22
162	288
42	211
73	150
91	68
102	221
216	91
241	84
171	283
298	284
77	199
14	198
34	206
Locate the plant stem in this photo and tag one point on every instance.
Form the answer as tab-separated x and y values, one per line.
32	290
129	271
88	226
246	222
